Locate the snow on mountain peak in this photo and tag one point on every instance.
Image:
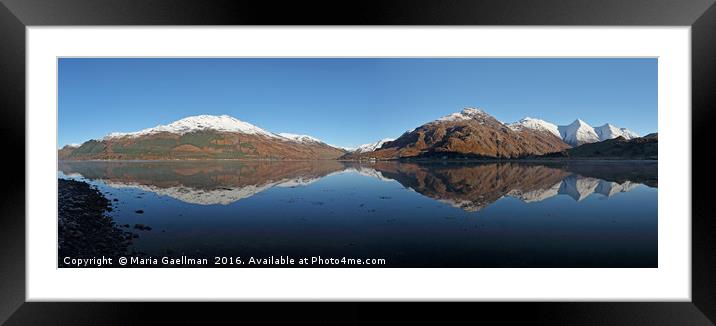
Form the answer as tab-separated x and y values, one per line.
345	148
472	111
535	124
609	131
465	114
578	133
223	123
300	138
579	122
372	146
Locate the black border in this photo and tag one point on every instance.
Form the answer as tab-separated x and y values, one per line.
15	15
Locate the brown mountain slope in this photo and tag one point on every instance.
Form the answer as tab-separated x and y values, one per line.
646	147
470	133
206	144
66	151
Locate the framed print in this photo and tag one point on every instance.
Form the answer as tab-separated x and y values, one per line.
503	155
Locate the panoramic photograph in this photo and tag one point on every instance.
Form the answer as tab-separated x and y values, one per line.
357	163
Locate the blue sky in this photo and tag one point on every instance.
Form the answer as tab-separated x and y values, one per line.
347	102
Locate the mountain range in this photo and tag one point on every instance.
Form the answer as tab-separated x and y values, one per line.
470	133
473	133
577	132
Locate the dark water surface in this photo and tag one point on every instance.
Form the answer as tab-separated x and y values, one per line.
581	214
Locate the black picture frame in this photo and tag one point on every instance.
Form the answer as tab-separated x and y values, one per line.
16	15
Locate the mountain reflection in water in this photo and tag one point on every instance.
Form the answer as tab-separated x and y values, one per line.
469	186
203	182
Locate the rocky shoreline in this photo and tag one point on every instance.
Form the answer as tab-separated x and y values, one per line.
84	228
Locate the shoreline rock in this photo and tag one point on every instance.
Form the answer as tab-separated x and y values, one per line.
84	228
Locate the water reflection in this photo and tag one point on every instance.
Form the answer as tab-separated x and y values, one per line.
468	186
203	182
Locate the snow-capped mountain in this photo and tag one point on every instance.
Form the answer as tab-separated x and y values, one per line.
202	137
223	123
300	138
345	148
609	131
535	124
578	133
372	146
466	114
470	132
